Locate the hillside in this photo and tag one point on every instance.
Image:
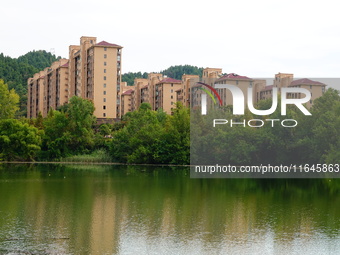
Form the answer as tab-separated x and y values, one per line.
16	71
175	72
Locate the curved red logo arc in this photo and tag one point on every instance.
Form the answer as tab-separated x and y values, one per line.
213	90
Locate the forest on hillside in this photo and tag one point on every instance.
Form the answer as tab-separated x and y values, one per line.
175	72
16	71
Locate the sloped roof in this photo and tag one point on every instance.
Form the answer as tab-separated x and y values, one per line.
104	43
169	80
234	76
305	81
128	92
269	87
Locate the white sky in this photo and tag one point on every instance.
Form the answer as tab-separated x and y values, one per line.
256	38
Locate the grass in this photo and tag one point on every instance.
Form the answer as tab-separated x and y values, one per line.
98	156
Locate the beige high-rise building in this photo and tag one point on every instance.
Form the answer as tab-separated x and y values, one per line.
317	89
188	81
126	101
56	85
242	82
136	94
35	95
153	79
282	80
165	95
93	71
48	89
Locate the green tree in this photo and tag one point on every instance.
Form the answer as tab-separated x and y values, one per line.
8	101
15	72
18	141
70	132
176	72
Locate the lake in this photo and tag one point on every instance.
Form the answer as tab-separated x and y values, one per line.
110	209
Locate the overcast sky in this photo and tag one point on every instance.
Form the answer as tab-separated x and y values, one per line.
247	37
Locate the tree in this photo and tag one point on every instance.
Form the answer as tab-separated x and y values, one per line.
70	132
8	101
15	72
18	141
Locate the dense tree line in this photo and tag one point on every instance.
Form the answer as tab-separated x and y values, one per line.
316	138
175	72
130	77
147	136
15	72
153	137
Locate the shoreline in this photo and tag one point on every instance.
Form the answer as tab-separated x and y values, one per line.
86	163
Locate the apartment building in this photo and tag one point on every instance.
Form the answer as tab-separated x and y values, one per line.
48	89
136	94
126	101
165	95
93	71
35	95
317	89
282	80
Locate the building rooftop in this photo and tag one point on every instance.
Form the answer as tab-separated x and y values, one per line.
169	80
65	65
128	92
268	87
305	81
104	43
234	76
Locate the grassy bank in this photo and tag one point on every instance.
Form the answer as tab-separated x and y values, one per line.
98	156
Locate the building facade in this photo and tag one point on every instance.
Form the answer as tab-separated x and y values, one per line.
93	71
165	95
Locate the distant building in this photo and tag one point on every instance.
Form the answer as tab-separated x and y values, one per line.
317	89
93	71
48	89
126	102
165	95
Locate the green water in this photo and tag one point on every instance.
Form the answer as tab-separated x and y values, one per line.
53	209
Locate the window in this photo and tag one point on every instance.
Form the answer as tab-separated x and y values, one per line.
310	86
311	101
236	82
105	56
172	103
104	92
104	107
105	63
104	99
172	91
105	48
104	78
172	84
104	114
104	70
104	85
172	97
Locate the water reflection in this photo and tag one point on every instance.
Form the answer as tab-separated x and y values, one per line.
53	209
